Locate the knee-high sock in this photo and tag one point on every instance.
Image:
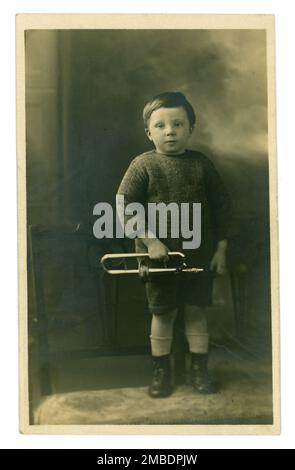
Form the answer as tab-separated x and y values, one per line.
162	333
196	329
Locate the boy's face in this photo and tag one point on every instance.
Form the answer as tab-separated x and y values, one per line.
169	129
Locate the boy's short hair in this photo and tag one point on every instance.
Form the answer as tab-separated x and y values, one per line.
169	99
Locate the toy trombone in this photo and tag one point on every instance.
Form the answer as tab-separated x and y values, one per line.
119	264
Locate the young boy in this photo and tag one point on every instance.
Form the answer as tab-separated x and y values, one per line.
171	173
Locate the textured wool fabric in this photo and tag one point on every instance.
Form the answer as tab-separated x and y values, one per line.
187	178
198	343
160	346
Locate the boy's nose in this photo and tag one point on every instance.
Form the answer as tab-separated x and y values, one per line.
170	131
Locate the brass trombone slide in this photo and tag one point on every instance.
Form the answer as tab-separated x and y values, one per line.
145	256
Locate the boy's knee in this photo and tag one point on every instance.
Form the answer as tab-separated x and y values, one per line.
167	317
194	311
194	308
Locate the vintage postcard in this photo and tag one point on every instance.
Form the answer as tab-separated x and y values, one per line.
147	218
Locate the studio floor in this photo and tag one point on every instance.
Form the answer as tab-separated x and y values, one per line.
113	390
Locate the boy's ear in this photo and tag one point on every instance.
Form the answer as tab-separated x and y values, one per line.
148	133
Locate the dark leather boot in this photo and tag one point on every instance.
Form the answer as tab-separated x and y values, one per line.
161	380
200	378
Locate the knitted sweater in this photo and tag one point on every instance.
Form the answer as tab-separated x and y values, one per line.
189	177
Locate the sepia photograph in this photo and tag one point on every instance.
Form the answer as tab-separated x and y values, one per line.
147	224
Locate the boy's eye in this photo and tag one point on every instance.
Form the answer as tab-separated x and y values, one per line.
178	124
160	125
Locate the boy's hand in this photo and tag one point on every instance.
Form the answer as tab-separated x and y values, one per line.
158	251
218	262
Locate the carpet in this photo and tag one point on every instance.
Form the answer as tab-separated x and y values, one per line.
244	396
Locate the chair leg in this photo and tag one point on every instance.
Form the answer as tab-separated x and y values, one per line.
239	286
